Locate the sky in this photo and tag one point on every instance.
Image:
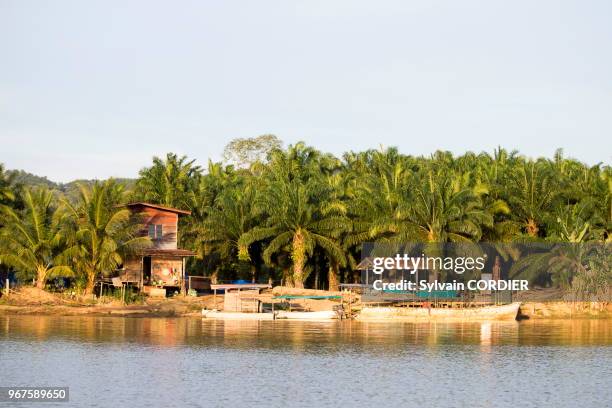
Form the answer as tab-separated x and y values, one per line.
95	89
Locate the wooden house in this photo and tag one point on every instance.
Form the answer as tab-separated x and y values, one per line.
160	267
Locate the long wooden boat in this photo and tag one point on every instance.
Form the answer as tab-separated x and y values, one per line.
322	315
492	312
215	314
285	315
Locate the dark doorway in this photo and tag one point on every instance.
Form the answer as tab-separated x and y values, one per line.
146	269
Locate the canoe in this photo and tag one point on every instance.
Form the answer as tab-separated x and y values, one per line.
323	315
214	314
493	312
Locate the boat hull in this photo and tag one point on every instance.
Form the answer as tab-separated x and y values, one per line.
502	312
283	315
213	314
323	315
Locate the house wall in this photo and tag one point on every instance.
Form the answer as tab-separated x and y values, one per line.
169	222
167	269
132	268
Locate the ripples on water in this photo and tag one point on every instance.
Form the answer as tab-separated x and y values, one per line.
182	362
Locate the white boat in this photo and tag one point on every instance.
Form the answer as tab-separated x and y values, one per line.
323	315
215	314
493	312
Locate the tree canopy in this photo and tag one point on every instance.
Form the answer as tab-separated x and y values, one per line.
300	215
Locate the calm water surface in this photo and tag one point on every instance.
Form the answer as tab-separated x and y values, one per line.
188	362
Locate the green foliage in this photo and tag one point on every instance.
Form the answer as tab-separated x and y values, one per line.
7	188
168	182
99	232
31	239
246	152
289	212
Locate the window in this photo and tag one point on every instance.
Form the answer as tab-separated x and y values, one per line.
155	231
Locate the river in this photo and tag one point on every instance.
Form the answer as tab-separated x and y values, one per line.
191	362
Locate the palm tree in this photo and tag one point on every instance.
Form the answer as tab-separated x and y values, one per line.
532	195
339	188
227	219
169	181
444	210
290	201
100	232
31	239
379	205
7	194
294	225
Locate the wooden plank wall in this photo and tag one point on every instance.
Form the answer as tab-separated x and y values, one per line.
169	222
132	270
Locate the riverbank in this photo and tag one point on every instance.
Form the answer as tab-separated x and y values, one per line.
32	301
565	310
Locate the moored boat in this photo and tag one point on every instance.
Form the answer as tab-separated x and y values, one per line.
321	315
491	312
284	315
215	314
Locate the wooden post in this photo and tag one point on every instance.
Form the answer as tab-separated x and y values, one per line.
183	275
141	276
6	287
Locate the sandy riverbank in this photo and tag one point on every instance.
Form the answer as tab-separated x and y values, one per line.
32	301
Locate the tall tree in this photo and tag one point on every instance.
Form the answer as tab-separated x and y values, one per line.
533	190
7	194
289	201
228	218
245	152
31	239
100	232
168	181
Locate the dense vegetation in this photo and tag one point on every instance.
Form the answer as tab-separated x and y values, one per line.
299	216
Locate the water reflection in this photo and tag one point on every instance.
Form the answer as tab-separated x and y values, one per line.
178	362
302	336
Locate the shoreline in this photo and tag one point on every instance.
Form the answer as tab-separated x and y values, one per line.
174	308
32	301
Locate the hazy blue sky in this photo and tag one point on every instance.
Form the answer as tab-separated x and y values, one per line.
96	88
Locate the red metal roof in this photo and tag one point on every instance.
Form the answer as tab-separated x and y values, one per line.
159	207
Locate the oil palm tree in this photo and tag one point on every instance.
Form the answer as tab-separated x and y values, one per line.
227	219
31	239
532	195
7	194
100	232
294	224
379	206
168	181
445	210
291	201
